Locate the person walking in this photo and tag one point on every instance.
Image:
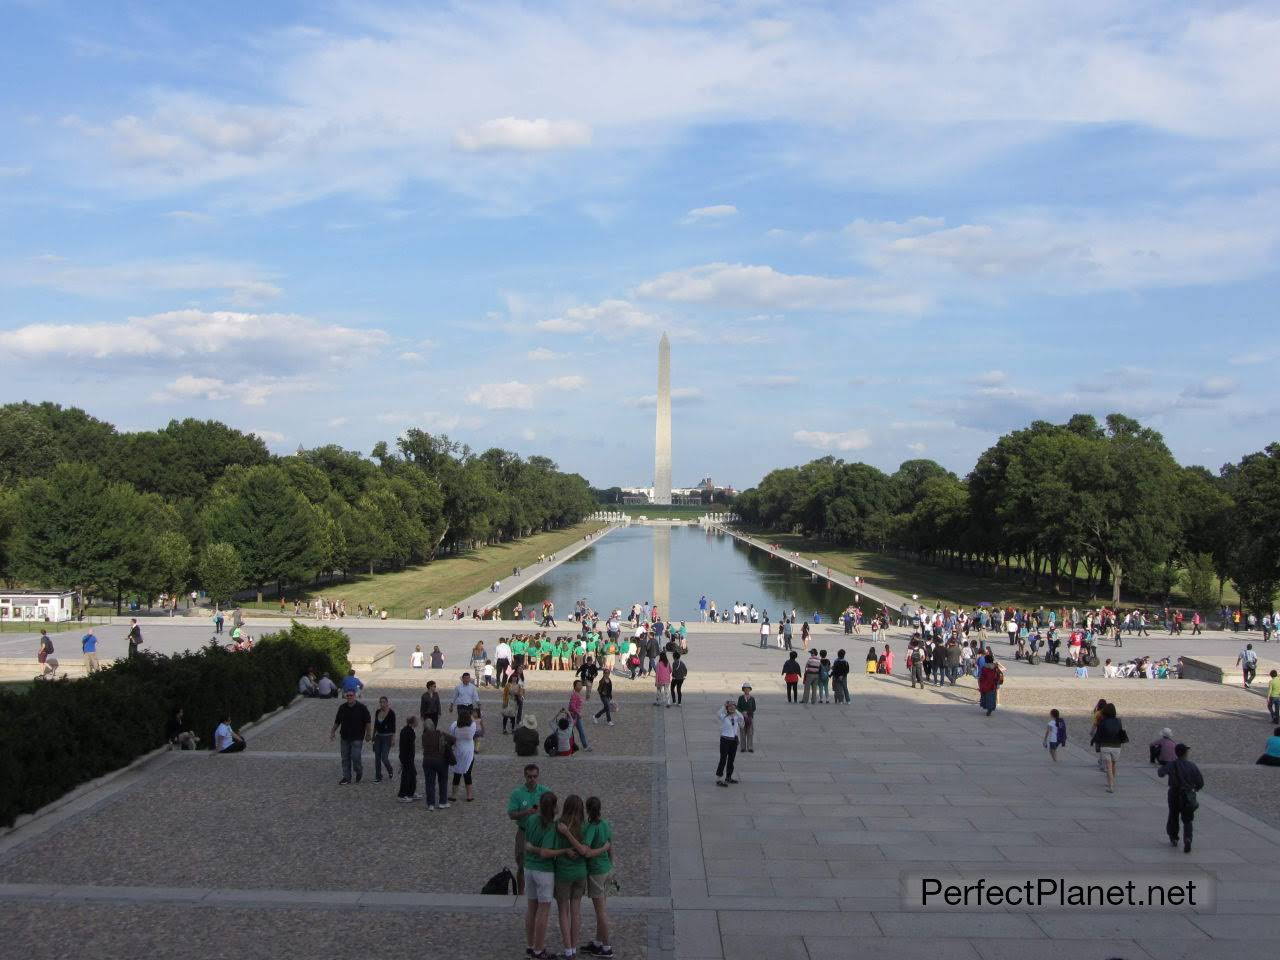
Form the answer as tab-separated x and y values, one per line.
662	681
679	670
605	690
384	731
134	637
1109	738
791	673
915	664
747	708
1184	780
429	705
938	661
1248	662
89	650
730	731
764	633
1162	749
988	684
463	731
1273	697
840	677
436	749
44	656
575	714
1055	734
355	724
409	761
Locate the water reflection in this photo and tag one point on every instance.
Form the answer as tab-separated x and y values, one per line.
662	569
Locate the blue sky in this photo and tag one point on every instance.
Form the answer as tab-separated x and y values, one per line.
879	231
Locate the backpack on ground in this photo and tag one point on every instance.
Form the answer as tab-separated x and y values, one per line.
500	884
549	745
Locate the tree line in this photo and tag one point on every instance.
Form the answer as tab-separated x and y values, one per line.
1074	507
136	514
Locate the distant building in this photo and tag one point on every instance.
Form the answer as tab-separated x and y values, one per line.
49	606
704	492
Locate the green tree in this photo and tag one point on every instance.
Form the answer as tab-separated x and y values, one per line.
1199	581
220	573
1253	552
173	561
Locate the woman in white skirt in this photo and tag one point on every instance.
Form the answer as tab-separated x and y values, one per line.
464	752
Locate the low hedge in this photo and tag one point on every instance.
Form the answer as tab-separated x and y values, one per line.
56	736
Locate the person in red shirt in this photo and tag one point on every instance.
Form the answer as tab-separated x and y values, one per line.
988	684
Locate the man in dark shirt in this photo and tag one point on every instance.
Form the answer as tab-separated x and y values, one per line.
357	726
134	638
408	761
429	708
1184	779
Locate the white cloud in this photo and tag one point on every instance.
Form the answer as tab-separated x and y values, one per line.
1211	388
991	378
269	436
242	284
609	318
917	447
842	442
513	133
193	333
777	380
743	285
716	212
528	433
679	395
512	395
339	421
570	382
251	392
542	355
410	356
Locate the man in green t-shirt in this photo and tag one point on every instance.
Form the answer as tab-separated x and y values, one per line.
518	650
522	804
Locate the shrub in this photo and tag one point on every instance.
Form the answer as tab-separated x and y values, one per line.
55	736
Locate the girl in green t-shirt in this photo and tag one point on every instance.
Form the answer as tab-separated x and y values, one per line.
597	835
572	871
541	836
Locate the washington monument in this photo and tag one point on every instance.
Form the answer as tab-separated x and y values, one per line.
662	441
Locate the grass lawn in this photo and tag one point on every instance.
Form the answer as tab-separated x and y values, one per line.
905	577
404	593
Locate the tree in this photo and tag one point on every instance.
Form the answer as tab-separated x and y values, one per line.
173	561
220	573
1253	552
1199	581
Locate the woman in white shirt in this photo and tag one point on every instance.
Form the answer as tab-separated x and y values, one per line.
417	658
464	751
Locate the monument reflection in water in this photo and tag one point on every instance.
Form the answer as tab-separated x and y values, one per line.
674	566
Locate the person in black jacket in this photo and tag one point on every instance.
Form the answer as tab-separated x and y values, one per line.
839	678
408	761
1184	779
1109	738
606	699
791	673
679	670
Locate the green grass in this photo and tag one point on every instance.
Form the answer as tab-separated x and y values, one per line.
934	584
442	583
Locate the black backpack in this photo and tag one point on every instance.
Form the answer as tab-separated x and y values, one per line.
500	884
549	745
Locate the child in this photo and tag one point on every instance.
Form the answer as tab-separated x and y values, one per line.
1055	734
489	676
1082	672
597	835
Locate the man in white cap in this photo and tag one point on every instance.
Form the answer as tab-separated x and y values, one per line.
1162	747
747	707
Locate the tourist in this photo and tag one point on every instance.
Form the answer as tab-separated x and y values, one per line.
730	730
1248	662
787	630
791	674
1271	755
436	751
354	722
417	658
571	872
840	677
178	734
225	739
598	837
384	731
218	621
1055	734
540	842
326	689
522	804
887	660
915	664
764	633
44	656
679	671
605	690
308	686
1184	780
938	663
1109	738
1273	697
873	660
988	683
463	731
575	714
502	658
526	738
437	658
134	636
466	694
351	683
1161	750
824	677
429	705
812	667
408	761
89	650
747	709
662	681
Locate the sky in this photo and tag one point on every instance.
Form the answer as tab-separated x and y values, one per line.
879	231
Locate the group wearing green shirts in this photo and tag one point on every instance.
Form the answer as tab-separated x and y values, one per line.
596	835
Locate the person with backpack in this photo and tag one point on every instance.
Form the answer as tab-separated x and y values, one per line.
679	670
1055	734
1109	738
437	751
1248	661
1184	780
791	673
988	683
915	664
44	656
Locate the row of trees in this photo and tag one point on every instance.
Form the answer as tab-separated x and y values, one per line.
138	514
1070	506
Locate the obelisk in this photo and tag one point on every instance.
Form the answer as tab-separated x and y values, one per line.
662	444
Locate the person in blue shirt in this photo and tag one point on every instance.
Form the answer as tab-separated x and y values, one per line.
702	608
1271	757
351	683
89	647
